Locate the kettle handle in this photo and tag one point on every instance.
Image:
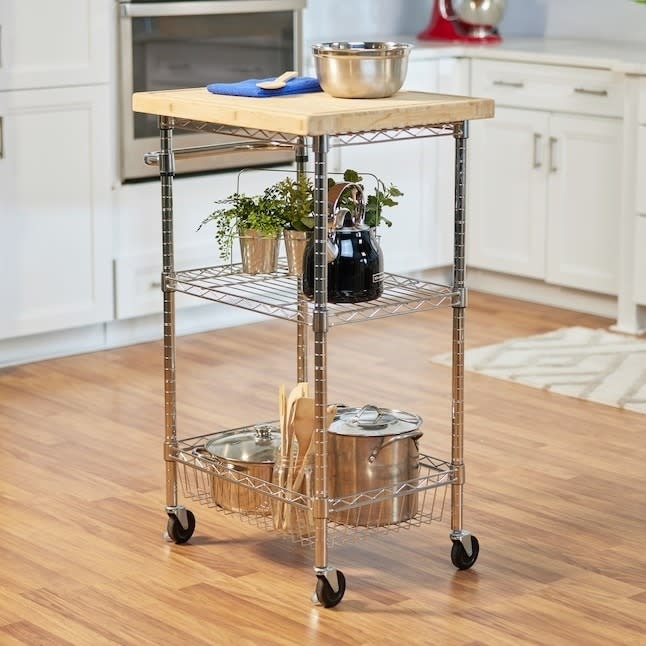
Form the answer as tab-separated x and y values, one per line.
336	191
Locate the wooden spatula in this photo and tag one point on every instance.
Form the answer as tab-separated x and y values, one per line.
298	479
300	390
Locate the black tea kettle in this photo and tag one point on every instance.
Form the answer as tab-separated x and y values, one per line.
355	269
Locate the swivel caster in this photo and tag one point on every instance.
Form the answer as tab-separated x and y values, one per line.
464	552
181	525
329	592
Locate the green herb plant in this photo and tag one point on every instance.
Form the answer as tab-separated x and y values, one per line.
263	213
289	204
297	196
384	196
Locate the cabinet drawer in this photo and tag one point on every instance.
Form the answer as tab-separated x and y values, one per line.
548	87
138	280
640	260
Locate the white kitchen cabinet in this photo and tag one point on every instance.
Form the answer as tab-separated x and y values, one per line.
639	250
56	242
138	234
640	260
508	196
53	44
583	203
545	184
421	236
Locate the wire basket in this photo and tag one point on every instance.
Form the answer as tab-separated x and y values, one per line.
279	509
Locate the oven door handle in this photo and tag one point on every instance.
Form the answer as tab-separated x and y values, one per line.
205	7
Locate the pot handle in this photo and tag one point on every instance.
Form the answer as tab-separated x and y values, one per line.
201	452
414	435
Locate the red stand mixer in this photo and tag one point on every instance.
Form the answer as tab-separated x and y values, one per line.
472	21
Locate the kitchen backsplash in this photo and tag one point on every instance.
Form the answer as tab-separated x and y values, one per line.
364	19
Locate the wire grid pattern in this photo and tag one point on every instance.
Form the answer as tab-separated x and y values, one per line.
411	503
276	294
339	139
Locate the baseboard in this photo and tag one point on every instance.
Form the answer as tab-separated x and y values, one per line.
537	291
113	334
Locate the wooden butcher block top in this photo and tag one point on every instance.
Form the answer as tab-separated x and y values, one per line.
313	114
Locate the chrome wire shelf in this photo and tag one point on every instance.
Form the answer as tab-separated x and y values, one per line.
216	484
341	139
276	294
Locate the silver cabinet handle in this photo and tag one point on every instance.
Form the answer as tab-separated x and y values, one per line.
518	84
553	167
1	139
583	90
537	141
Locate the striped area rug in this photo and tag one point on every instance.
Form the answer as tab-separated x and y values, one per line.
580	362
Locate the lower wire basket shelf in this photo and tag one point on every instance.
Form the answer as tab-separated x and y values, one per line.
288	511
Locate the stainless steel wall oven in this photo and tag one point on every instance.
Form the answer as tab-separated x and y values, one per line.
190	43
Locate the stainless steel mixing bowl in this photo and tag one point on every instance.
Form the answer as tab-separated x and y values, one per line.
361	70
486	13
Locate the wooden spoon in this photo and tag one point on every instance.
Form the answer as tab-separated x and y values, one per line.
278	82
300	390
303	426
329	418
282	413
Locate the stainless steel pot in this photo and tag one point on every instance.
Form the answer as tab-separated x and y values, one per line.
247	452
373	450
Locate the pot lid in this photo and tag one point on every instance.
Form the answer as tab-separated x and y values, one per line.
371	421
256	444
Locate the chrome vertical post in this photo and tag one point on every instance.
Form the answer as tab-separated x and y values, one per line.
320	326
166	174
301	325
460	134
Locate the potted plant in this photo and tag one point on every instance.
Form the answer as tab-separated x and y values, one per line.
286	206
257	220
297	198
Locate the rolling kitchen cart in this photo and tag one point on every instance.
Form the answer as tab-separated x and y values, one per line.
314	122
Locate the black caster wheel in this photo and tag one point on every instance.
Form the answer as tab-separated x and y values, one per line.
176	531
326	594
459	556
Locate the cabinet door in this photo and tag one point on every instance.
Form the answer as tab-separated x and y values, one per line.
44	43
407	245
584	202
506	200
420	235
55	246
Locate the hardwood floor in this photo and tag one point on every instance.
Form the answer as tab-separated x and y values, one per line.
555	493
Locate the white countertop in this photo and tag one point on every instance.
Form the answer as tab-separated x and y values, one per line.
625	57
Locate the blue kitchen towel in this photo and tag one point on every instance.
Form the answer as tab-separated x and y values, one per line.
298	85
